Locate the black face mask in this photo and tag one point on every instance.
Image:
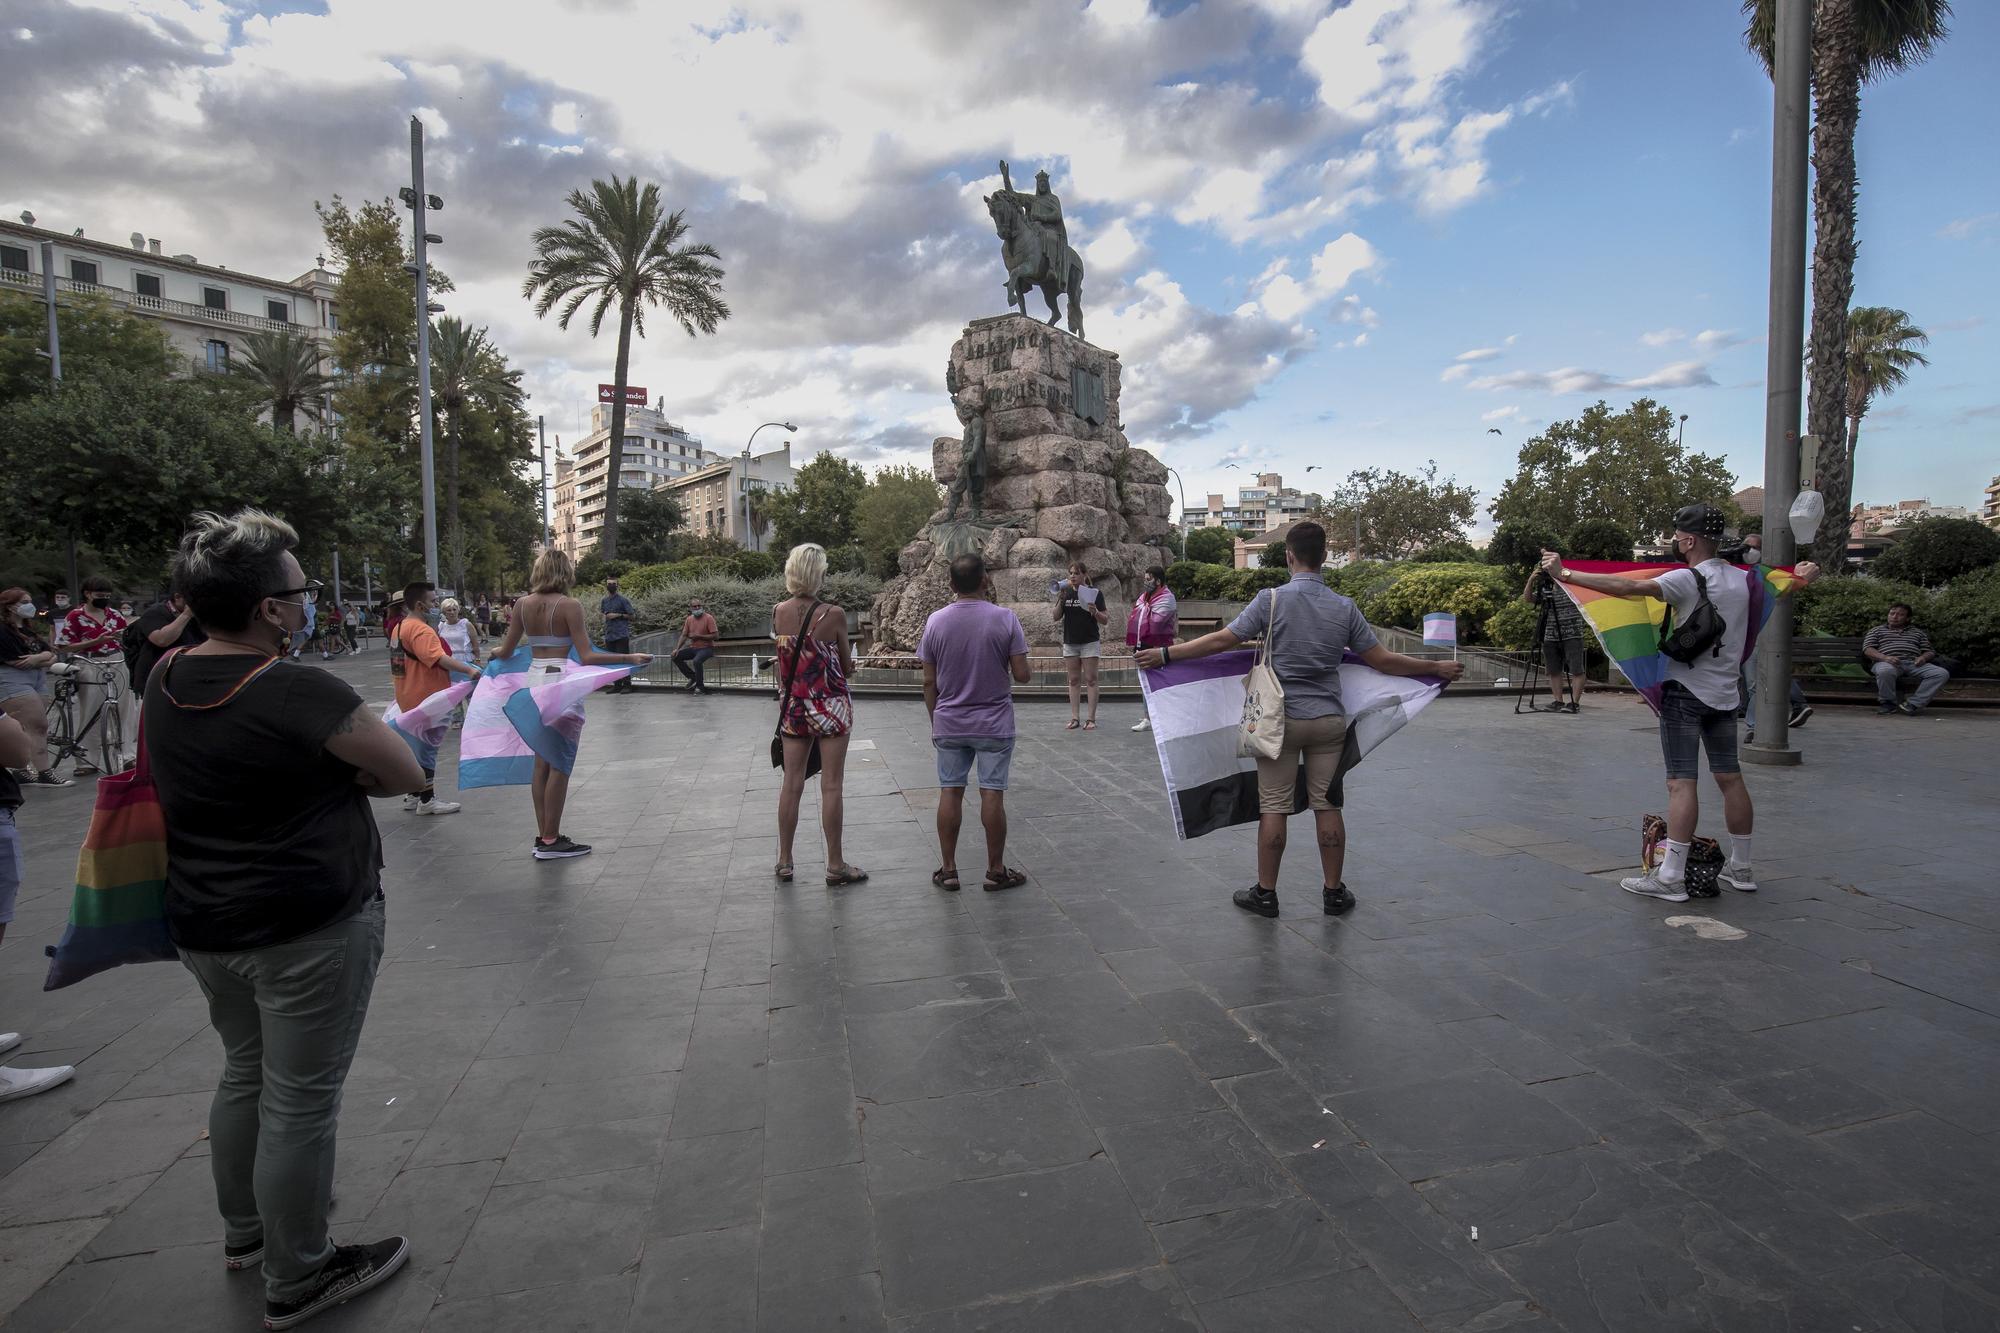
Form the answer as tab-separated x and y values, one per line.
100	602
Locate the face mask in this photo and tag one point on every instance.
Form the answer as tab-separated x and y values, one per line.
125	611
100	602
61	602
1753	556
26	610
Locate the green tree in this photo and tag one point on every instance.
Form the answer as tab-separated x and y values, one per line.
1624	467
1933	551
1881	351
1272	556
893	510
283	371
1212	546
467	371
649	523
619	250
1518	546
1396	514
1447	553
822	504
96	337
1853	42
1600	539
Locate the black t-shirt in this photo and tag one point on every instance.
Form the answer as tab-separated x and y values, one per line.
1079	625
10	790
268	837
17	642
157	617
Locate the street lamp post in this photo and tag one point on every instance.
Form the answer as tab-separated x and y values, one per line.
749	528
1682	434
418	202
1181	486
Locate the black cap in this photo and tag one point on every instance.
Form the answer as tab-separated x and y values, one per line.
1703	520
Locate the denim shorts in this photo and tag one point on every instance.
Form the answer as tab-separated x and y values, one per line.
1687	726
10	865
955	755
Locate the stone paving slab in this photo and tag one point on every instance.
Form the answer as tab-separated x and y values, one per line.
654	1089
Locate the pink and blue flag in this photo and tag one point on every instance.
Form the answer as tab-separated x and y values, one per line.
520	709
1440	629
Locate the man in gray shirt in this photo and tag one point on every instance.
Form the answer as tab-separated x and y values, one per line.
1898	650
1314	627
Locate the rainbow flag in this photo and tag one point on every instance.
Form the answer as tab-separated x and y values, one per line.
1628	628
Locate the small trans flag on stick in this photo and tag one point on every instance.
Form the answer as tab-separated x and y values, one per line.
1441	631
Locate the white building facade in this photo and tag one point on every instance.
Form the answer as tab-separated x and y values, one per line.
1268	504
206	310
656	452
717	500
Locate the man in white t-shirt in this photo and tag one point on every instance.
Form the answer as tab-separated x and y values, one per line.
1698	703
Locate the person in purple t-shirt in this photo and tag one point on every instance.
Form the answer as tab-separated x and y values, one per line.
973	651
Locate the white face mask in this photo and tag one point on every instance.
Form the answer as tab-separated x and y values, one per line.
1753	556
26	610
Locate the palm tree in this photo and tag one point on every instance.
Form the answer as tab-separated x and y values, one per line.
619	249
1881	349
1853	41
466	369
282	370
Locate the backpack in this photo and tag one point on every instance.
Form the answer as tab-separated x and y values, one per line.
399	656
1700	633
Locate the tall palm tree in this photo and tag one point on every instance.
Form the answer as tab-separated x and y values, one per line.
1853	42
282	370
466	369
620	250
1881	350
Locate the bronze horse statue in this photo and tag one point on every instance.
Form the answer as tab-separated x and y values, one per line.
1030	264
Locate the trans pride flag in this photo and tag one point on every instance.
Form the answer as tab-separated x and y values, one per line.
1196	708
520	710
1629	627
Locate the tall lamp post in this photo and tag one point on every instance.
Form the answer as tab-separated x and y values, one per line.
749	528
418	202
1181	486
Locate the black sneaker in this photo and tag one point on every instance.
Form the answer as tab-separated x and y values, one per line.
48	777
1908	709
1887	708
561	849
1262	901
1553	706
1571	707
237	1257
1799	716
1336	902
352	1270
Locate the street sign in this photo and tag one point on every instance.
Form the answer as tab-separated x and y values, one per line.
635	395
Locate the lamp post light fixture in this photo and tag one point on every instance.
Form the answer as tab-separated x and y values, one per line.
417	201
1683	431
1181	486
749	527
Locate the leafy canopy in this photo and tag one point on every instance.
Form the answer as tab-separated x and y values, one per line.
1212	546
1622	467
893	509
1935	551
822	504
1398	513
649	522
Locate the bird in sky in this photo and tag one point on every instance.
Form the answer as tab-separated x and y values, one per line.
1232	465
1312	467
1492	430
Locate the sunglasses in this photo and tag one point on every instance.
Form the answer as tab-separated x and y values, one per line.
306	595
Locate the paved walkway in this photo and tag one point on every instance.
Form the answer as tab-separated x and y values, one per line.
650	1089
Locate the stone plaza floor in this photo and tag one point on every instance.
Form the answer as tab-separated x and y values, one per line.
652	1089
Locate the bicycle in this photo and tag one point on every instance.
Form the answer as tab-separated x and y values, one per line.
68	740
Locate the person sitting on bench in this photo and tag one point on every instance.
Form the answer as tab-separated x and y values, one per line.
1898	650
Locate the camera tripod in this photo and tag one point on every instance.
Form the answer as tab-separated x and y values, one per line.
1526	694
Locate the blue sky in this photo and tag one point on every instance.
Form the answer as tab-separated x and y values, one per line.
1300	217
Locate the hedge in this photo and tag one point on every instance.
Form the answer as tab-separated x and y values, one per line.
740	606
1963	619
1472	592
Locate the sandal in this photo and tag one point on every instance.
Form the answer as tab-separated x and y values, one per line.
1090	725
783	870
1073	725
945	879
1006	877
846	875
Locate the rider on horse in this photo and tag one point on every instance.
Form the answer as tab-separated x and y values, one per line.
1044	210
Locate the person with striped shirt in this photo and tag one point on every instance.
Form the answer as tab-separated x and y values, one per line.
1900	650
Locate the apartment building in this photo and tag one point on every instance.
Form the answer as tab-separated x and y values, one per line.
717	500
1991	513
656	452
563	525
1259	508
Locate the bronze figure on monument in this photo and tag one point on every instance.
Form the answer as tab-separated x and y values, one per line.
1034	245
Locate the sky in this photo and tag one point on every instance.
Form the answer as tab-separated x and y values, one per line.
1338	235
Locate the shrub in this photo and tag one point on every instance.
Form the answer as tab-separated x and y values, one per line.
1935	551
1446	553
1513	626
1272	556
1181	576
1212	546
1964	622
853	559
1600	539
1853	606
1213	583
1247	583
754	565
1361	579
1520	545
851	590
644	578
594	568
1471	592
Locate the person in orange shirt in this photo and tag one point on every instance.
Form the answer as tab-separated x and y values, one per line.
421	666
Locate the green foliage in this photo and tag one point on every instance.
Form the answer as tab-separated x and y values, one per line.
1512	626
1936	551
1212	546
1362	579
853	559
740	606
1600	539
1624	467
893	508
285	372
1447	553
622	249
1250	582
1853	606
1473	592
375	349
1213	583
821	505
1518	546
1181	576
594	569
1397	513
1964	621
688	545
1272	556
753	565
1751	523
646	526
97	338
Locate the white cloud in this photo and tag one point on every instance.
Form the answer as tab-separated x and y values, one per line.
1574	379
563	118
1507	413
1113	250
1715	340
1662	337
1479	354
1454	373
1338	262
1959	229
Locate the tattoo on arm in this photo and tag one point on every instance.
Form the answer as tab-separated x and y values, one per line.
347	724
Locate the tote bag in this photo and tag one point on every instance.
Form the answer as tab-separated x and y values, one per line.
1262	733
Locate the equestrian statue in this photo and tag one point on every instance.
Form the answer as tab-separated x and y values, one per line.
1034	244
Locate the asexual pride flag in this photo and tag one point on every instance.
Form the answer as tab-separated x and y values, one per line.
1196	708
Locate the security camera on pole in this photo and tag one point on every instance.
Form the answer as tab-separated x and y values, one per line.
417	202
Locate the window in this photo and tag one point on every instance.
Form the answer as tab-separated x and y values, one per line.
82	270
333	321
215	298
14	257
218	355
281	311
147	284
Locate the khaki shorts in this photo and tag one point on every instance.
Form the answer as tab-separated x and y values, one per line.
1320	740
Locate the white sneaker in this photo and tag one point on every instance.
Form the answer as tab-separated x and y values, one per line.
1143	724
1738	878
8	1041
1650	885
27	1082
410	802
438	807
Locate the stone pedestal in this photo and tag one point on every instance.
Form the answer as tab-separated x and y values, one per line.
1061	484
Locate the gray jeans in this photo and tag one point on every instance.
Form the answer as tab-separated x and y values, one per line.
289	1016
1930	679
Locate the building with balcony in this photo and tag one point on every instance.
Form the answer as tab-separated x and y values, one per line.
1268	504
205	309
1991	513
563	525
717	500
656	452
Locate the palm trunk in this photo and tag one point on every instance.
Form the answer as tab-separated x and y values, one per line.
283	417
1836	112
607	537
451	504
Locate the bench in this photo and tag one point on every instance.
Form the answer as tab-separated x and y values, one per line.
1814	657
